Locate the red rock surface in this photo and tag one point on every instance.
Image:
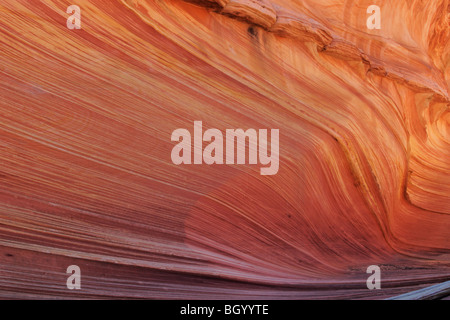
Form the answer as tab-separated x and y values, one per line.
86	176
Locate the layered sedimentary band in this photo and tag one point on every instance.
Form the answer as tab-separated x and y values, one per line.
86	176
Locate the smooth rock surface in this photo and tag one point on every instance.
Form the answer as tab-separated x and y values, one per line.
86	176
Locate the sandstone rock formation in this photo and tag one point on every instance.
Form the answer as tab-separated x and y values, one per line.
86	177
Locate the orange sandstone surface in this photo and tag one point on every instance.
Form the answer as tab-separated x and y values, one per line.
86	176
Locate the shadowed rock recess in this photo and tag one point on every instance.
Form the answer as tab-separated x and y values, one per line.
86	176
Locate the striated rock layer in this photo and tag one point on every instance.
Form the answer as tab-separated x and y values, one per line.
86	176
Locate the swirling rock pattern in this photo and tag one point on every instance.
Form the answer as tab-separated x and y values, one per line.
87	179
